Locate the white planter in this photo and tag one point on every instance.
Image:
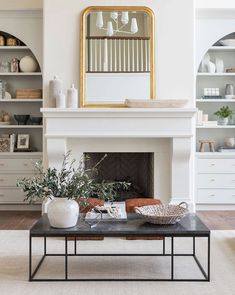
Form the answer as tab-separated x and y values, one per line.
63	213
223	121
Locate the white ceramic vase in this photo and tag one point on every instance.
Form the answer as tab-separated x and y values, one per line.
223	121
63	213
72	97
55	86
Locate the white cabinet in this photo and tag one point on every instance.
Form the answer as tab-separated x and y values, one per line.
12	168
215	178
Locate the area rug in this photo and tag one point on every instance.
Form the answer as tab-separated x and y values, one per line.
14	266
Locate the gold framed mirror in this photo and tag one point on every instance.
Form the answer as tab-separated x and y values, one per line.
117	55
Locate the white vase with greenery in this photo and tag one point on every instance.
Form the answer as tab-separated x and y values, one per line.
67	188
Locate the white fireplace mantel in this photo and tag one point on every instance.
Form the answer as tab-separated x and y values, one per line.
83	125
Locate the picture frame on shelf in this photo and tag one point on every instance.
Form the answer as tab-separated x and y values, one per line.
23	141
4	144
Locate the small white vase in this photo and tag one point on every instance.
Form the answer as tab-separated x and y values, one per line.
72	97
60	100
223	121
63	213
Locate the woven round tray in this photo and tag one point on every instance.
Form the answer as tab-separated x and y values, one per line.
163	214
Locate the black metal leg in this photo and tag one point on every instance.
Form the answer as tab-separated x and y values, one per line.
66	258
75	245
45	245
208	259
193	246
172	258
30	257
164	246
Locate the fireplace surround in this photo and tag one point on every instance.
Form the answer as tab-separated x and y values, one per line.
166	133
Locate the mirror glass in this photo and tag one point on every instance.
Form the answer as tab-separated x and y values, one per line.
118	57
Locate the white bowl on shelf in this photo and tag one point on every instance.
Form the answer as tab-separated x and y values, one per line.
227	42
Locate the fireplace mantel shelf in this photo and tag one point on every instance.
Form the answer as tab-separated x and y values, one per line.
118	122
119	112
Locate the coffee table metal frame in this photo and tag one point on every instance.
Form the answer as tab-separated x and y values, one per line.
172	255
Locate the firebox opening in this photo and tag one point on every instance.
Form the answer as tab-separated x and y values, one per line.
136	168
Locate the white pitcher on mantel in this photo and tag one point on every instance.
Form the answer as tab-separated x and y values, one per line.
72	97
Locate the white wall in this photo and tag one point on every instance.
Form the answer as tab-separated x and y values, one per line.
20	4
204	4
25	25
174	43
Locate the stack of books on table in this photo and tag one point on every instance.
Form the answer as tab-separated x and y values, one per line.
223	149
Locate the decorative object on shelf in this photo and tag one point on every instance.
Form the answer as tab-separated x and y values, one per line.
23	141
209	123
14	65
28	93
6	117
7	95
35	120
226	150
211	92
72	97
2	89
211	67
229	89
204	67
163	214
227	42
219	65
121	19
55	86
60	100
4	144
230	70
21	119
229	142
4	67
12	41
2	40
224	114
210	145
70	184
28	64
159	103
199	117
205	117
12	142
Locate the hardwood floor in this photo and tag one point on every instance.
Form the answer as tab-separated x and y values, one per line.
18	219
23	220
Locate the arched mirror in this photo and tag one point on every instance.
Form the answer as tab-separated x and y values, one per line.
117	55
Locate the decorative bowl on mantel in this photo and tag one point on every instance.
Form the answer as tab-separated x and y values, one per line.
158	103
227	42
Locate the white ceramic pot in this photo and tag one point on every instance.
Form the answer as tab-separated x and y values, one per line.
63	213
28	64
223	121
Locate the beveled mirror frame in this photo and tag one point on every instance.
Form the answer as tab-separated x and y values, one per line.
83	20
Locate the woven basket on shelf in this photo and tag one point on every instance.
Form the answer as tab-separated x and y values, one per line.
163	214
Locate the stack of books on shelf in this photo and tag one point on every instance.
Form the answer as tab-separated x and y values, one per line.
209	123
223	149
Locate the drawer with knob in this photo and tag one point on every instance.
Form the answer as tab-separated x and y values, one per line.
17	164
216	165
10	179
216	196
11	196
216	180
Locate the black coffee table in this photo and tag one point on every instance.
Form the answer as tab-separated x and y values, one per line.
189	226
